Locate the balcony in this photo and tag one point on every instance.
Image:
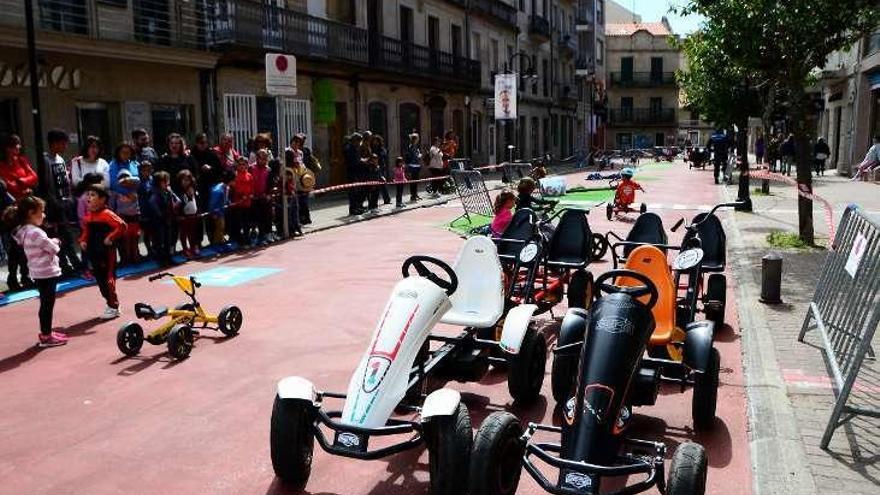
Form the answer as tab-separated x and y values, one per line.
539	28
566	95
567	45
172	23
643	79
642	116
394	55
583	16
496	11
584	66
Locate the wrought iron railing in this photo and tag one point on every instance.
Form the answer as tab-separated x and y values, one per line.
497	10
642	116
643	79
539	27
394	55
567	44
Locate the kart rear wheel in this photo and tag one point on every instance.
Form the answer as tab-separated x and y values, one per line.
180	341
496	462
562	377
229	320
580	290
716	299
609	211
449	440
130	338
291	441
687	474
706	393
643	208
599	247
526	374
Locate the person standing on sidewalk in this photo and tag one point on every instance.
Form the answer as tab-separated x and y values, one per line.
55	188
821	152
871	161
773	152
399	180
435	166
226	153
89	161
19	180
140	142
355	169
788	152
719	146
759	149
379	150
413	159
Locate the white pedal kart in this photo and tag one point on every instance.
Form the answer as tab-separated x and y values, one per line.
393	371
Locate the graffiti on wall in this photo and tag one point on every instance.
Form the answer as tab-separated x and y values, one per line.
55	77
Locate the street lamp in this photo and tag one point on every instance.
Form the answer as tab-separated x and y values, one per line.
528	73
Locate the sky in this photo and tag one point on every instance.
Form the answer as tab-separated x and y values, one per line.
653	10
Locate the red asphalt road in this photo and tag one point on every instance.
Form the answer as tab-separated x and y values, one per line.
82	419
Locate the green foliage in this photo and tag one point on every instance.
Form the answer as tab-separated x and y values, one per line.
785	240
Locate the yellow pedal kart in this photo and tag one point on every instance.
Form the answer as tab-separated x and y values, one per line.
184	320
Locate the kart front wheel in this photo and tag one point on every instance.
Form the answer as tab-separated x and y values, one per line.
706	393
526	374
716	299
599	247
130	339
180	341
643	208
229	320
609	211
291	441
449	441
496	462
687	474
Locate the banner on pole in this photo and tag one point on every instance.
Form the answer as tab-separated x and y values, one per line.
505	96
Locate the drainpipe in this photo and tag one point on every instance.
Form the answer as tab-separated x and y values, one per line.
853	115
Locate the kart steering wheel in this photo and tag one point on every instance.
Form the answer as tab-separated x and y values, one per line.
648	287
419	262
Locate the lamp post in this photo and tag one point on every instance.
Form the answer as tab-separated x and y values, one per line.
528	73
35	79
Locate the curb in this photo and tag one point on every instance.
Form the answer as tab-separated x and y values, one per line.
777	455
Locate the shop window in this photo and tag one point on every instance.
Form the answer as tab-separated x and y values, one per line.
378	118
9	123
168	119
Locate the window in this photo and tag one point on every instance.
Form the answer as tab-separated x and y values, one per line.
656	69
151	21
600	52
493	54
168	119
545	72
546	133
626	69
409	121
98	119
9	123
656	105
522	5
872	43
456	40
554	122
536	147
626	102
600	12
534	81
476	132
66	17
378	118
433	33
458	123
438	125
406	24
477	47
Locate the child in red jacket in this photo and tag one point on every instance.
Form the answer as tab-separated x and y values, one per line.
101	229
241	197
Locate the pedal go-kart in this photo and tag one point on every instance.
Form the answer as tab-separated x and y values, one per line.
648	229
183	323
619	205
394	371
611	379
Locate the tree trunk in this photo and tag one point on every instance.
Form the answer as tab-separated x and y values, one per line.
799	117
742	150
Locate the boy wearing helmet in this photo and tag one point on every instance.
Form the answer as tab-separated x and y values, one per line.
626	190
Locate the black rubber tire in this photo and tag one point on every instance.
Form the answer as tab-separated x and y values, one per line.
706	393
449	440
496	462
180	341
526	373
562	377
292	441
130	338
643	208
581	290
687	473
716	295
229	320
600	247
609	211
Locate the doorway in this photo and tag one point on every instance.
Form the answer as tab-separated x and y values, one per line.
337	136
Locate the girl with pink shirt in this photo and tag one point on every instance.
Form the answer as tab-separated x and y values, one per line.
504	203
399	179
24	219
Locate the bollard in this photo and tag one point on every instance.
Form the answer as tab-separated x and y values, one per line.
771	279
765	186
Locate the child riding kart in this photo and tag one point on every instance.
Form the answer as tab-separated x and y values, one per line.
624	194
393	372
611	380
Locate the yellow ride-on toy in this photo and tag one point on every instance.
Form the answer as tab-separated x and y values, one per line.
180	331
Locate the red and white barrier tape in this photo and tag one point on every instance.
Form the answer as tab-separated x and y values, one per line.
804	191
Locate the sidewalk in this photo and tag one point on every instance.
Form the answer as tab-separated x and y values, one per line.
790	394
327	212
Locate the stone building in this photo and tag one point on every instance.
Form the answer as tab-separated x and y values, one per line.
849	86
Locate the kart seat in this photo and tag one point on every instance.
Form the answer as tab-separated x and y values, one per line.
648	229
479	300
522	227
713	242
651	261
147	312
570	246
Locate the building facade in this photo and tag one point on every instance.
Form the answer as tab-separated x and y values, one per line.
643	96
849	87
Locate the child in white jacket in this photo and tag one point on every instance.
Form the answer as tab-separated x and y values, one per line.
24	218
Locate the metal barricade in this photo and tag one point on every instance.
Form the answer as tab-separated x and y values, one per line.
513	171
472	192
845	310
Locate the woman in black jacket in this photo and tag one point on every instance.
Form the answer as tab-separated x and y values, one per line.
821	152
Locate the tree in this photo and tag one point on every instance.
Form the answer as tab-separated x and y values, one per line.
784	41
721	90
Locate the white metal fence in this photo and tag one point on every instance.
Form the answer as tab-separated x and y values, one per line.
240	117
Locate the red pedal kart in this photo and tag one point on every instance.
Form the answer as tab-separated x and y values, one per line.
624	198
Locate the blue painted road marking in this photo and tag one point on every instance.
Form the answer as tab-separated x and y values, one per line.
231	276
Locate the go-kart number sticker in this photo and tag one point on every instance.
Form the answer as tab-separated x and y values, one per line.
687	259
528	253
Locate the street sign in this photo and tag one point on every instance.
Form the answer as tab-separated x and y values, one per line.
280	74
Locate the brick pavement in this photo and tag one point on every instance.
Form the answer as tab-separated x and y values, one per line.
789	391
